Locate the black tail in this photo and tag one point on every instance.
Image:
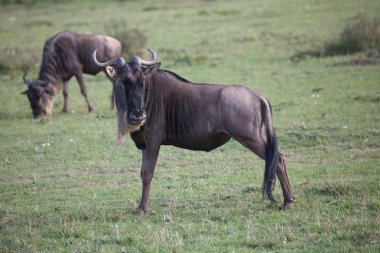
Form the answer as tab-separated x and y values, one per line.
271	154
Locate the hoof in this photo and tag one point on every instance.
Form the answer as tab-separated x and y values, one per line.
287	204
137	212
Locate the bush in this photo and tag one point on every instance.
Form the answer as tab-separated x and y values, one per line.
16	59
133	41
360	36
363	35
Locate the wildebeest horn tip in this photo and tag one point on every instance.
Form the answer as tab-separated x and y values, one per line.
140	61
28	82
116	61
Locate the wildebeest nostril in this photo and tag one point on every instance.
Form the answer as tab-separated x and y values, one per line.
137	115
138	112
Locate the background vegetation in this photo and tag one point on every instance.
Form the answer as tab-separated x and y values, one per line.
64	187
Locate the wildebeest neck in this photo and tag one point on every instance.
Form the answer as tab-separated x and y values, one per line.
170	101
161	84
56	54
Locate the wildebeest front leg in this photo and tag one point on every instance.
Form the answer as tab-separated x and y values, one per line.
65	96
149	159
83	90
114	83
284	181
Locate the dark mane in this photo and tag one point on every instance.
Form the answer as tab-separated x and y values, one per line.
50	65
175	75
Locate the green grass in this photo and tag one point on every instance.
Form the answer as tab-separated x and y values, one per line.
65	188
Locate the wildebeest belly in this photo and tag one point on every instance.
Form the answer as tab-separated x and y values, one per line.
198	142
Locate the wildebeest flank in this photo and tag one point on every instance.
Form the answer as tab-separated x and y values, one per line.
65	55
158	107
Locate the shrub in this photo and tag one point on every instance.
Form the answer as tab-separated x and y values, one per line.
360	36
16	59
133	41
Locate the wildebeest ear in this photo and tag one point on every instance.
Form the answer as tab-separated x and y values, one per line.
24	92
111	71
151	68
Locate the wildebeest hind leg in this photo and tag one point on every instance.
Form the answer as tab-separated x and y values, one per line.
258	146
284	181
83	90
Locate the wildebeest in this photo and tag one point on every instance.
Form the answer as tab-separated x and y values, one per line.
67	54
158	107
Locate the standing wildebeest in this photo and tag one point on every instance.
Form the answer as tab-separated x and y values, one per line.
65	55
158	107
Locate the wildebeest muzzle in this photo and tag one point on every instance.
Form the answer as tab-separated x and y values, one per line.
136	116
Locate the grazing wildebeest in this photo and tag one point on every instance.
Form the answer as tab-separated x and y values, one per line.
65	55
158	107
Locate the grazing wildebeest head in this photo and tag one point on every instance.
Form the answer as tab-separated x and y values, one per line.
40	95
65	55
158	107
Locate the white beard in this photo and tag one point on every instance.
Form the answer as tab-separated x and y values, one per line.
124	128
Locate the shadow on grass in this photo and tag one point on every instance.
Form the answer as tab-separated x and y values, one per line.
334	188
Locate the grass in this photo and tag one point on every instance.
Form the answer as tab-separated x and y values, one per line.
65	188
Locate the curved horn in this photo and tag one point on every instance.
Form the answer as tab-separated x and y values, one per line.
28	82
116	61
140	61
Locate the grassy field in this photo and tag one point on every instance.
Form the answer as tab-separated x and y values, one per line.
64	187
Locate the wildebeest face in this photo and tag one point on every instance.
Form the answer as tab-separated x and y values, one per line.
40	97
130	91
131	77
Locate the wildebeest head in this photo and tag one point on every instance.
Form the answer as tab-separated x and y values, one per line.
130	93
40	95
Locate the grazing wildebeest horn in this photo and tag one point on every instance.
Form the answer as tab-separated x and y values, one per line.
28	82
115	62
140	61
